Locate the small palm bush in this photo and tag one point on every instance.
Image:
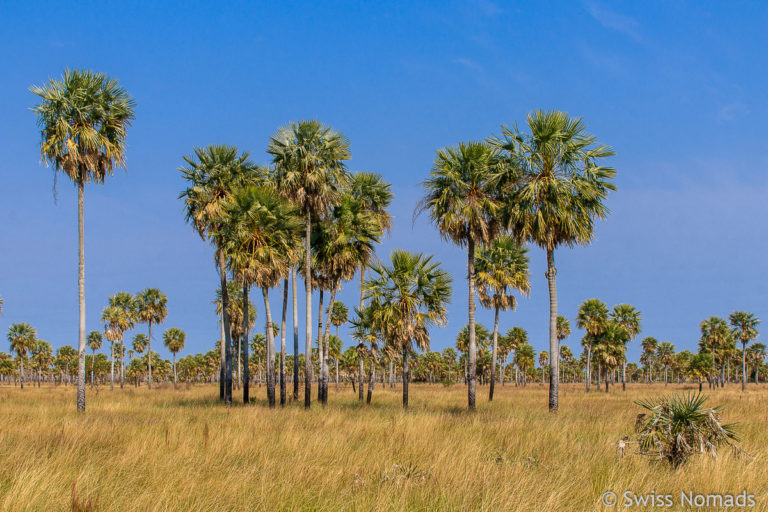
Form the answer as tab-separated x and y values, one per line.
679	426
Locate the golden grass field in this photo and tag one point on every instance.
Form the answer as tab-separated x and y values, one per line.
181	450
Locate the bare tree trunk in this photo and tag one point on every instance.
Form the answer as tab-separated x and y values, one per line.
472	340
245	349
494	352
270	350
227	331
81	299
308	290
283	393
554	371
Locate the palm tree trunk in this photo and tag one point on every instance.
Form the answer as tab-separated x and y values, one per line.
122	366
336	360
360	362
472	340
93	366
295	336
81	299
227	331
246	329
21	377
554	371
494	351
308	289
222	358
588	369
270	351
743	367
624	375
149	357
320	346
283	396
174	371
370	382
112	365
405	377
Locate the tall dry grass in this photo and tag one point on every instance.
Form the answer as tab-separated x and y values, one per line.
165	450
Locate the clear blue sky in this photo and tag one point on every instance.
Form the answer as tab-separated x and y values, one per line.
678	89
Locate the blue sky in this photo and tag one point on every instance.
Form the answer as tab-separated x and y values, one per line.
677	89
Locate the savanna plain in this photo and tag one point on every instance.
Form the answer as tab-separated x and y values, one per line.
169	449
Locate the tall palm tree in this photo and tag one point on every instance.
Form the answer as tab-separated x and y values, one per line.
629	317
116	321
151	308
462	198
756	356
260	234
715	337
593	318
371	196
95	340
543	361
83	120
407	297
745	330
665	353
561	192
22	337
501	268
309	163
563	331
174	339
609	346
213	173
648	355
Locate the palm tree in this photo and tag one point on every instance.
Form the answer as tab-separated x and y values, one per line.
745	330
756	355
561	192
648	355
592	317
462	197
213	173
407	297
609	347
140	344
501	268
543	361
2	303
309	170
665	354
370	196
174	338
95	340
151	307
42	357
524	359
260	232
116	321
83	119
715	337
22	337
338	316
516	336
563	331
629	317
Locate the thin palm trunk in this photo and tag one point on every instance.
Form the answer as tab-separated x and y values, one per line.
472	341
370	382
295	336
743	367
21	377
227	331
81	299
282	343
554	372
360	362
149	357
624	375
112	366
494	352
405	377
320	346
246	370
270	350
223	358
174	371
308	290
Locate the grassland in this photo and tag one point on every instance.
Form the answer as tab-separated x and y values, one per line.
181	450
